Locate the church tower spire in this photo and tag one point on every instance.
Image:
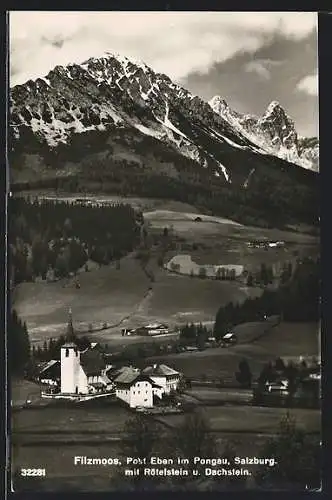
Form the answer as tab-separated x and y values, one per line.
70	328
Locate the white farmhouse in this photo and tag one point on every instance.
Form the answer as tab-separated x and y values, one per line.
163	376
136	389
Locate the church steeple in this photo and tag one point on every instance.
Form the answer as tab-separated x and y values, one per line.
70	329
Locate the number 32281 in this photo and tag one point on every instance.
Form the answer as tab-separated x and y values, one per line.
33	472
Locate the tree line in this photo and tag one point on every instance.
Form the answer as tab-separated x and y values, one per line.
61	236
296	299
18	344
195	335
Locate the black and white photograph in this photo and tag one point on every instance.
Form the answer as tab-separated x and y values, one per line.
163	325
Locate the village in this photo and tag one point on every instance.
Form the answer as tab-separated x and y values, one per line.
86	375
89	374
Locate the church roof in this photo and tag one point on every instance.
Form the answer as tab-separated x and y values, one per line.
48	365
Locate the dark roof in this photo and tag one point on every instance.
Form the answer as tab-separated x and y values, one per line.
49	365
161	370
127	375
92	362
130	376
114	371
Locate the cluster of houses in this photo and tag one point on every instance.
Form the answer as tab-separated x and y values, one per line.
81	373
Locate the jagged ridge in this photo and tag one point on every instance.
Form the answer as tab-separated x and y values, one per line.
274	133
114	92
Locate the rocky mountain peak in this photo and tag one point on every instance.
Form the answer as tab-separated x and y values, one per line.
276	113
218	104
274	106
274	132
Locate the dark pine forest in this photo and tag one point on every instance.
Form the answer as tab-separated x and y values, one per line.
59	237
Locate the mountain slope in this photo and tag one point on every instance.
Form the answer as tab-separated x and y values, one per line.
112	123
274	132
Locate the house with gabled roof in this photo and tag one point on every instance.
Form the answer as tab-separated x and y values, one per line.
164	376
49	372
136	389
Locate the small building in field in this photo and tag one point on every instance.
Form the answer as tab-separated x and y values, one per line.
136	389
164	376
152	329
229	338
191	348
280	387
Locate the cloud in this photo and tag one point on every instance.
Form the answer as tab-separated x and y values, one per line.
262	67
258	68
175	43
309	85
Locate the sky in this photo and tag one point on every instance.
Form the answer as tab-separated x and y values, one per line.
248	58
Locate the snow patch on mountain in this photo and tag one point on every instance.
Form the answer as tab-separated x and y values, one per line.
148	131
224	171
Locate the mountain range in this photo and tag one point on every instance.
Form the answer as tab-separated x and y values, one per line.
274	132
112	123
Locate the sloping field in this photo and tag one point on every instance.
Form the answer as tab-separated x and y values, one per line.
291	340
186	224
161	216
106	294
215	241
182	299
122	297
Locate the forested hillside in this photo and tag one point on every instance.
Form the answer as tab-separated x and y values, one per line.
59	237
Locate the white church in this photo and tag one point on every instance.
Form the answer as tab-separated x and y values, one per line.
82	372
86	373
